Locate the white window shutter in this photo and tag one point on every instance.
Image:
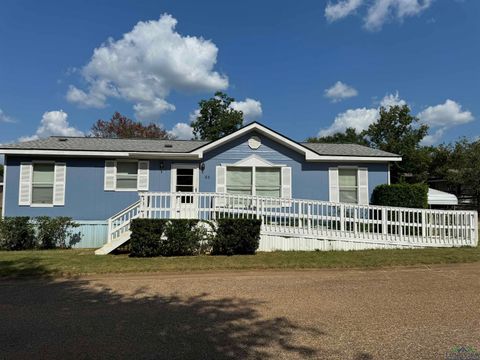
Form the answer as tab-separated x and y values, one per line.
59	184
221	184
143	175
286	182
25	186
110	178
333	184
363	197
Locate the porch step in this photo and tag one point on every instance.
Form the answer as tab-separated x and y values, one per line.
109	247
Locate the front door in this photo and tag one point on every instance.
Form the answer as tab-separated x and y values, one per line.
185	180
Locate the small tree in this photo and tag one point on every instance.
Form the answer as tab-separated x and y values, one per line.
350	136
395	132
216	118
120	126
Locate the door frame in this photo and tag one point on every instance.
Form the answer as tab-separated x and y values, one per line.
173	175
184	210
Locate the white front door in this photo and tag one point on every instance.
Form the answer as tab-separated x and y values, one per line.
185	180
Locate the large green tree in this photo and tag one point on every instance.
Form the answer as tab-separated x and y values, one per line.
397	131
120	126
1	170
350	136
464	169
216	118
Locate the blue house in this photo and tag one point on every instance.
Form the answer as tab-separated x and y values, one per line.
92	179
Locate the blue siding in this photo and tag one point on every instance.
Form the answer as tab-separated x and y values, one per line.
85	199
309	180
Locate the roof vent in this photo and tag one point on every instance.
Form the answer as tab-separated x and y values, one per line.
168	145
62	139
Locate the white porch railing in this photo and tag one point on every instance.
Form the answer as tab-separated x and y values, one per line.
311	218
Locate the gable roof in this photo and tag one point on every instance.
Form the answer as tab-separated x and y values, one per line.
191	149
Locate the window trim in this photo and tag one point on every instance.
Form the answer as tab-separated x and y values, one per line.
116	175
254	177
32	204
349	167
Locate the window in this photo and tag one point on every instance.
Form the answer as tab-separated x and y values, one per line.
127	175
267	182
43	183
254	181
348	185
184	180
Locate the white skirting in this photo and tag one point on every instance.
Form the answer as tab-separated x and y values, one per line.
292	243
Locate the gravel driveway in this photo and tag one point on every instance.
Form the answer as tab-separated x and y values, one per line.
407	313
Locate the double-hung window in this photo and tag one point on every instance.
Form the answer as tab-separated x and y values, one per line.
43	183
127	172
348	185
258	181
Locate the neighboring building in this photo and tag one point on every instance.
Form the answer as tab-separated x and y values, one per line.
91	179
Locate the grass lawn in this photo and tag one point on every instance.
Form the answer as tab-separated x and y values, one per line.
78	262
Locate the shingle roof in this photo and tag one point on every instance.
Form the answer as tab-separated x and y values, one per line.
346	150
170	146
102	144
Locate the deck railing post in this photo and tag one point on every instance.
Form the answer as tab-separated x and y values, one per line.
342	217
384	221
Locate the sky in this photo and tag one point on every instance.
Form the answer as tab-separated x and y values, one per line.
304	68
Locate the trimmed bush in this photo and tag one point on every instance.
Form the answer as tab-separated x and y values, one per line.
146	237
236	237
16	233
182	237
401	195
53	232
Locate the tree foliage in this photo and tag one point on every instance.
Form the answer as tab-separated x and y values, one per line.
120	126
397	131
350	136
1	170
216	118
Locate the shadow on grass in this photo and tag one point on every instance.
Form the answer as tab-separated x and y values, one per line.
43	317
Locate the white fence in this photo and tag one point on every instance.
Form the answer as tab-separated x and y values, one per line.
294	224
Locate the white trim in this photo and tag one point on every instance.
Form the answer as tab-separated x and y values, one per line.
159	155
309	154
4	184
63	152
116	175
173	175
356	158
31	184
252	161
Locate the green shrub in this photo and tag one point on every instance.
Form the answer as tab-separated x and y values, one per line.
236	236
182	237
146	237
17	233
401	195
53	232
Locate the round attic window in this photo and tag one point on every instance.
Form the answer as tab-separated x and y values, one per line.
254	142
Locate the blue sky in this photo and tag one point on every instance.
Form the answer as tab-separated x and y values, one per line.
300	67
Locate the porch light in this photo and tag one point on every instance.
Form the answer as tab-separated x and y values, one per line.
202	166
162	165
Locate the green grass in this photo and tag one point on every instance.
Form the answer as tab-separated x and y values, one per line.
79	262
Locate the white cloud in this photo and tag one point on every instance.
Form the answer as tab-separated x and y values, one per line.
341	9
442	117
378	11
145	65
361	118
252	109
182	131
5	118
340	91
53	123
447	114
